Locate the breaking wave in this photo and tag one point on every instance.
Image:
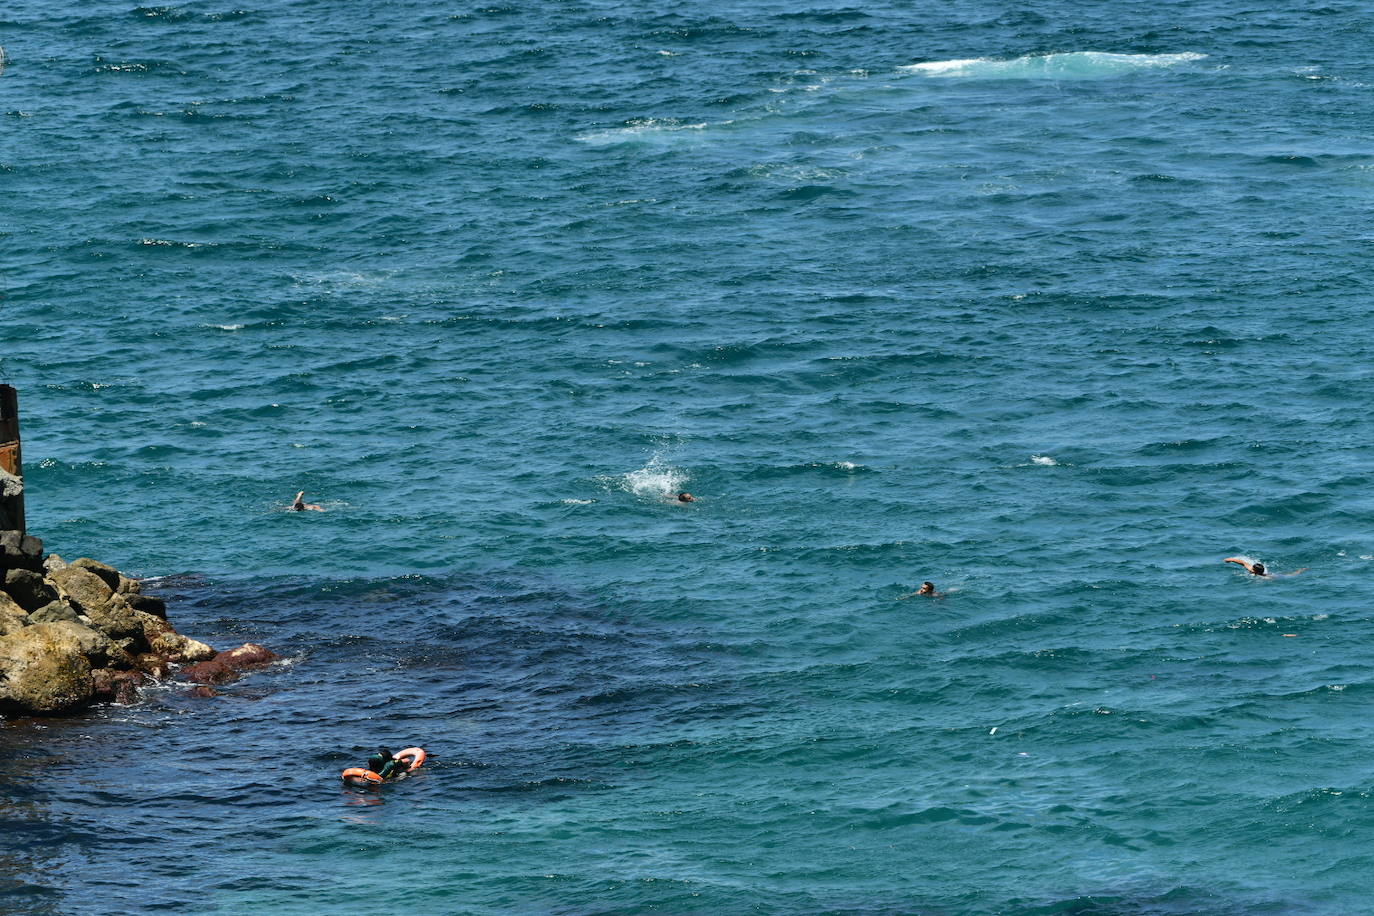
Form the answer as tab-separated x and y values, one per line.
1071	65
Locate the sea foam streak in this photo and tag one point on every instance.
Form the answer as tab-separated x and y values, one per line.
642	129
1071	65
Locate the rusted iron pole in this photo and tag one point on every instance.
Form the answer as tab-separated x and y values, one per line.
11	459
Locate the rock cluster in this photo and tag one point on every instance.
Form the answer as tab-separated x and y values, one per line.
77	633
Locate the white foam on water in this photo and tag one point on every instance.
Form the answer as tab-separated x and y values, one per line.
641	129
577	502
656	480
1070	65
1044	461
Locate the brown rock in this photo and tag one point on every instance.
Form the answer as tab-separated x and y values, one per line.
248	655
202	691
114	618
97	647
126	648
108	574
86	590
12	616
128	586
151	664
43	670
152	626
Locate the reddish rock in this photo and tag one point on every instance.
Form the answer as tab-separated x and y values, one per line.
125	693
112	686
211	672
248	655
152	664
203	692
102	685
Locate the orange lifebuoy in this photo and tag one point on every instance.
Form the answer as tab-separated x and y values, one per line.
354	774
417	755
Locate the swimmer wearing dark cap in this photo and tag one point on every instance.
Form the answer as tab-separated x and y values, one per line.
385	765
1258	569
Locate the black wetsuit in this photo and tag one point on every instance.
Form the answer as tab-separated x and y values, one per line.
387	767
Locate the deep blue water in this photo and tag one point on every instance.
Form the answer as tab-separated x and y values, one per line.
1056	307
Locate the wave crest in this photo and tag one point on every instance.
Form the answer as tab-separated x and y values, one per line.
1070	65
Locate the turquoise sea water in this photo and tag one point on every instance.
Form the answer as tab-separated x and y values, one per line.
1054	306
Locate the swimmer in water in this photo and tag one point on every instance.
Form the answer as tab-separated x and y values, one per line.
685	497
927	590
1255	568
385	765
300	505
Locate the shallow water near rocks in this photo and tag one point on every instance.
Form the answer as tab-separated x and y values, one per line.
1055	308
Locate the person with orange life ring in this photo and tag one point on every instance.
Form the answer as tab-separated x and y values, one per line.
384	765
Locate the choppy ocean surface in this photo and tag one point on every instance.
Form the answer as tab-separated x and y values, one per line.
1055	307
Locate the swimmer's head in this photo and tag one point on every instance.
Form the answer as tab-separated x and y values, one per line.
685	497
1257	569
927	587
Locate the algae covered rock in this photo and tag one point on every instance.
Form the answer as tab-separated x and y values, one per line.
43	669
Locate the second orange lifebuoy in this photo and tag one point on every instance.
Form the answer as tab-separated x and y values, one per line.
416	755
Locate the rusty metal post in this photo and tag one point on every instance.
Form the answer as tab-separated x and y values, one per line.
11	459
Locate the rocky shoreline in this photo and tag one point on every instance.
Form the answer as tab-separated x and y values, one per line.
78	633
